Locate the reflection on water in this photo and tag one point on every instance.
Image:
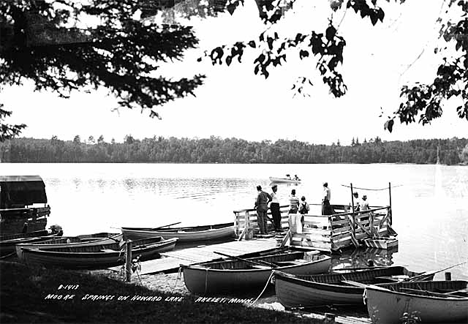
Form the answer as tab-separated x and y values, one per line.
429	202
362	258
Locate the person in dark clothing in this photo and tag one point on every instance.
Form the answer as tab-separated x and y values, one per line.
327	209
261	204
275	209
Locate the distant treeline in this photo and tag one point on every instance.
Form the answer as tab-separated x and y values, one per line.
231	150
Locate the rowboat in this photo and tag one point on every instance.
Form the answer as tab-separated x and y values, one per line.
241	274
68	241
8	242
184	234
97	256
284	180
334	289
431	301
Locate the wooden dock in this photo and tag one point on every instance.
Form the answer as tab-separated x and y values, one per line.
171	261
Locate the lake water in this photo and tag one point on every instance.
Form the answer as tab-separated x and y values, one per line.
429	202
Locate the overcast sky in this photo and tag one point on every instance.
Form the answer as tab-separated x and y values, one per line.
234	102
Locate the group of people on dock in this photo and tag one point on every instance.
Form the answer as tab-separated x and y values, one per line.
297	208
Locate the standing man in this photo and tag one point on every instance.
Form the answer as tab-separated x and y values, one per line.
326	197
275	209
261	204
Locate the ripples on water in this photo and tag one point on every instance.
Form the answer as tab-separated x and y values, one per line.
430	203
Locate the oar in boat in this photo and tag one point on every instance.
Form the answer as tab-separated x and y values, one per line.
156	228
431	273
361	268
354	283
256	262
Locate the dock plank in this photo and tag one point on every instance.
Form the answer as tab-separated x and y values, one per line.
171	261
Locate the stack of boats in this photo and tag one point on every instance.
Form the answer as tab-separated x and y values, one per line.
303	280
93	251
103	250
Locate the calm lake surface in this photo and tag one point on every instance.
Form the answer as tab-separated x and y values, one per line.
430	202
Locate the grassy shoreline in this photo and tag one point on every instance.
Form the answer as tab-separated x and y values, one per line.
39	295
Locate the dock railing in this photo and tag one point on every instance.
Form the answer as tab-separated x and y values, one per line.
342	229
325	232
247	219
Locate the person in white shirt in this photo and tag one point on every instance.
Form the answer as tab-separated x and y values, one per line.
364	203
326	197
275	209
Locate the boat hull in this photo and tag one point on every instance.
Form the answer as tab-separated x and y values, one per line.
184	234
329	289
8	242
96	256
386	306
70	241
202	279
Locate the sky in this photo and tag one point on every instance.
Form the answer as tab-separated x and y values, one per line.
234	102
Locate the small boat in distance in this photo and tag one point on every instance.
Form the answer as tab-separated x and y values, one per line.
97	256
431	301
241	274
287	179
184	234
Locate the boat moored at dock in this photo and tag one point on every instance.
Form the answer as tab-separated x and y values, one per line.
97	256
183	234
431	302
246	273
309	291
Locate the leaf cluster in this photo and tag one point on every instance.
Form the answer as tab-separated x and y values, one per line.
419	103
8	131
56	50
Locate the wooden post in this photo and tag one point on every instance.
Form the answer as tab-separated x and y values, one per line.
448	276
248	228
236	223
390	201
352	208
128	261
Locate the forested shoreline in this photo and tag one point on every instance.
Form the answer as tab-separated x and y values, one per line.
231	150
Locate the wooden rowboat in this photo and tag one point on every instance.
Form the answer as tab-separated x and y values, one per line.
184	234
243	274
97	256
8	242
332	289
68	241
431	301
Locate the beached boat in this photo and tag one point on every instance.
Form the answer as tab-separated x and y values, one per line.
97	256
68	241
284	180
8	242
184	234
332	289
431	301
240	274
